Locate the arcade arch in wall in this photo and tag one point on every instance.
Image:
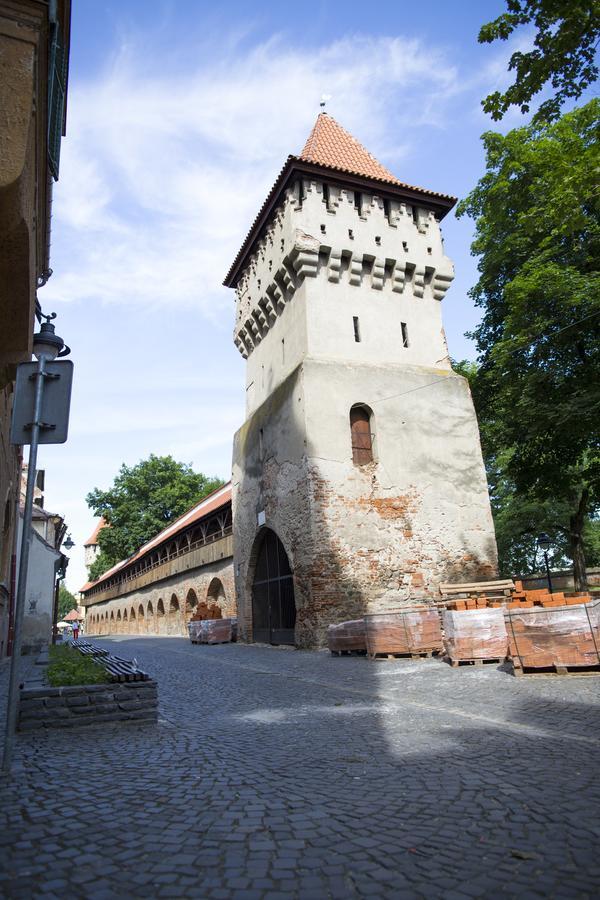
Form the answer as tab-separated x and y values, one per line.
165	608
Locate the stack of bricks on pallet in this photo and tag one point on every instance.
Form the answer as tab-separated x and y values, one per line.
475	634
522	598
413	630
215	631
347	636
544	638
212	631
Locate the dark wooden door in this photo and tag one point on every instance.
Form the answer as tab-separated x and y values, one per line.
362	439
273	606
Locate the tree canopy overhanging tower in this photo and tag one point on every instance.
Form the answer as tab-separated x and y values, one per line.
358	480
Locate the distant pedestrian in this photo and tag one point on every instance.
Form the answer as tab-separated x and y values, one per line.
75	630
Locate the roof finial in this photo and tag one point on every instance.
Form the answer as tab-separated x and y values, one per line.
323	101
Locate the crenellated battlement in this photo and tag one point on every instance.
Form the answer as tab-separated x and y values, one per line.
323	231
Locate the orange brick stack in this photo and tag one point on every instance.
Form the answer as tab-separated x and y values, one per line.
347	636
413	630
550	638
475	634
481	602
521	599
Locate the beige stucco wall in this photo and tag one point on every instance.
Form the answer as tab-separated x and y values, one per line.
320	265
39	595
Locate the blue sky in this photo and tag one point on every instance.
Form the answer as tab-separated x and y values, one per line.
180	115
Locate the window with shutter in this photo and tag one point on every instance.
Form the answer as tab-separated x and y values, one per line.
362	436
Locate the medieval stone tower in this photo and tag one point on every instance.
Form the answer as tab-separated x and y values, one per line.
358	482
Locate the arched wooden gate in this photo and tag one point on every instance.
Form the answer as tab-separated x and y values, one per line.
273	606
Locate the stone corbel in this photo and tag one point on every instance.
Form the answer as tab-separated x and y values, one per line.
305	263
276	295
378	274
260	317
269	312
355	271
419	281
442	279
254	330
334	266
399	276
241	347
286	280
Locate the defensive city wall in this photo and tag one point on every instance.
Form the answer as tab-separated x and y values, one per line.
186	569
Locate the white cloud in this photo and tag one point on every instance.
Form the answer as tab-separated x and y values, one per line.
162	176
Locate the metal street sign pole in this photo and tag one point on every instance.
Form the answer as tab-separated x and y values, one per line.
26	538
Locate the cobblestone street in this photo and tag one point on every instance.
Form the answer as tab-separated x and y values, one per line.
279	773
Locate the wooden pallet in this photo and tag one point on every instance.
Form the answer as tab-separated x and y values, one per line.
476	661
413	654
556	669
348	652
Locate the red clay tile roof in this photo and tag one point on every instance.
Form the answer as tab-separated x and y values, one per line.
331	147
72	616
329	144
93	538
213	501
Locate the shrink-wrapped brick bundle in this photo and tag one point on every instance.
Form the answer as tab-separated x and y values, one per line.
215	631
475	634
194	631
563	636
347	636
404	631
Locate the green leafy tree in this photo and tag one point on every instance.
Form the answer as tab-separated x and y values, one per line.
563	55
66	601
142	501
518	517
537	389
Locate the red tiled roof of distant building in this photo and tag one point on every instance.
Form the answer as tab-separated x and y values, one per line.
72	616
93	538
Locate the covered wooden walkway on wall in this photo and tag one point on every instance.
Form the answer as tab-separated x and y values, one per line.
187	567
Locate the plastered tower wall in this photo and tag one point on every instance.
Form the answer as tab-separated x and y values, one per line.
334	265
391	251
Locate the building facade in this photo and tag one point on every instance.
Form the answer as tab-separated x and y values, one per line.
358	480
47	566
34	53
186	569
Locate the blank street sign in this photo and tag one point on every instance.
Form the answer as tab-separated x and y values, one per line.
56	402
